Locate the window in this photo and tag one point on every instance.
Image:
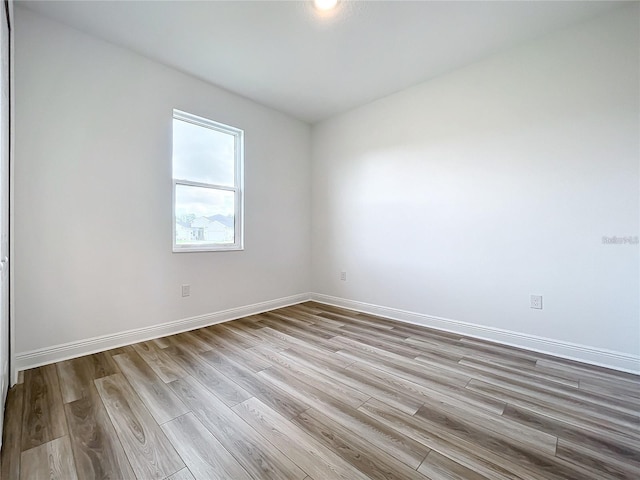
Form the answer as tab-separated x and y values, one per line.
207	184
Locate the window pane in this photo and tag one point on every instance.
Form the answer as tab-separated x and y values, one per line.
204	215
201	154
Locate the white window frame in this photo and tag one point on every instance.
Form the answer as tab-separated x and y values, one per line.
237	189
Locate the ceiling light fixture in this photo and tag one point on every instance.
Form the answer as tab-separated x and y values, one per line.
325	5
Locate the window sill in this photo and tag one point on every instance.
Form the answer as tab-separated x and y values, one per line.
208	248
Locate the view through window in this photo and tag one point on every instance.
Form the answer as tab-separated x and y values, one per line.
207	184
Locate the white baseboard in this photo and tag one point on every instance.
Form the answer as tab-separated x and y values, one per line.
57	353
582	353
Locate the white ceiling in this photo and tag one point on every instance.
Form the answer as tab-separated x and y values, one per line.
288	56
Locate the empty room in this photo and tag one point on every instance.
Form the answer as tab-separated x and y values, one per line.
317	240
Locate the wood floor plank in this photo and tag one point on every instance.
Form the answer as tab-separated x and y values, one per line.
292	318
437	466
287	340
402	367
323	321
251	382
12	433
318	391
313	306
336	389
159	361
456	349
387	321
281	317
149	452
310	334
120	350
613	411
222	342
569	393
431	348
587	418
43	414
394	335
377	387
494	366
515	450
616	446
425	333
423	390
307	307
510	455
502	350
382	341
446	377
473	457
273	337
251	321
588	371
329	362
204	455
247	332
193	341
324	328
494	425
154	393
561	413
298	336
600	464
183	474
346	318
488	351
303	450
50	461
96	448
258	457
297	312
367	385
630	394
162	342
486	419
374	462
239	337
225	389
446	393
382	344
77	375
403	448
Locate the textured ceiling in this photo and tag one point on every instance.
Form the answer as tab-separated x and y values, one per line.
288	56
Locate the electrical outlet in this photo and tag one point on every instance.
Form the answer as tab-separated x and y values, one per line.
536	302
186	290
343	276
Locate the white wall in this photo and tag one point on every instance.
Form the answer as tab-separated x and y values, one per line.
93	193
462	196
457	198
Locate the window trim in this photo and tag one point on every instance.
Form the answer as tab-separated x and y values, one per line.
237	189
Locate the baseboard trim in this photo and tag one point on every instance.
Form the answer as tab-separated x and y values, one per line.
582	353
57	353
571	351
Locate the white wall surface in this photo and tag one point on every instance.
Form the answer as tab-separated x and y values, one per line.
462	196
93	193
457	198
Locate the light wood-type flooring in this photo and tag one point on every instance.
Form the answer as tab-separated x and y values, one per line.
317	392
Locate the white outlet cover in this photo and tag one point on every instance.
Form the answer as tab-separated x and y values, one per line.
186	290
536	302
